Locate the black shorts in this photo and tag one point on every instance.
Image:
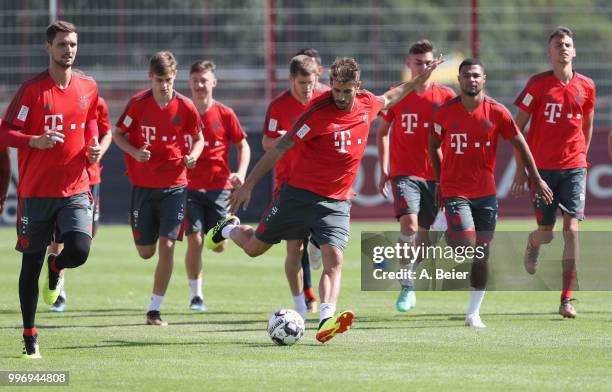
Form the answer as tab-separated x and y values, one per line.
414	195
205	208
40	217
569	190
465	215
295	213
157	212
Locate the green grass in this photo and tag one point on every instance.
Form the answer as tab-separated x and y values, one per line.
103	342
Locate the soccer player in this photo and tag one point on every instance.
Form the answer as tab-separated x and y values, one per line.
52	122
560	104
211	181
465	133
283	112
152	131
404	160
5	174
94	170
331	137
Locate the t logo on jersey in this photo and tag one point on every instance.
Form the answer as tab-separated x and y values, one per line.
408	121
342	139
458	141
552	110
55	124
148	133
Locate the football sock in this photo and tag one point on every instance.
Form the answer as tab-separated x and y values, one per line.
568	284
31	264
408	282
326	311
309	294
299	305
476	297
225	232
30	331
156	301
196	288
63	293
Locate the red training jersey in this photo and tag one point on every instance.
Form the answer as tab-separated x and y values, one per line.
164	130
221	129
104	126
40	105
557	112
469	143
332	143
412	119
283	112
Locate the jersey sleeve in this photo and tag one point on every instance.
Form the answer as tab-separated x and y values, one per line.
527	99
506	126
271	123
589	102
127	121
438	130
104	125
376	104
232	124
194	124
18	111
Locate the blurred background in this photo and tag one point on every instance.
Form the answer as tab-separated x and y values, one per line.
252	41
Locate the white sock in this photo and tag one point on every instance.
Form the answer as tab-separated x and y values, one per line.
412	267
63	293
326	311
225	232
156	301
476	297
196	288
299	304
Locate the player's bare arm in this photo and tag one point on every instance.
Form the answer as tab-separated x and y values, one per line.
397	93
382	142
191	159
268	142
540	188
5	175
241	196
243	152
519	183
435	155
140	155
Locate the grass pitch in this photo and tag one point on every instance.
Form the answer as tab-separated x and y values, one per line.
103	342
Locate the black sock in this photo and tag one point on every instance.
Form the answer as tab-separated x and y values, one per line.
31	264
306	267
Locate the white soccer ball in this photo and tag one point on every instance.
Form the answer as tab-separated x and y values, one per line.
286	327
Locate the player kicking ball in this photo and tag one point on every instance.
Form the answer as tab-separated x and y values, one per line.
331	136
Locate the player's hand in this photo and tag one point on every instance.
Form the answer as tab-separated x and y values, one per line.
94	151
46	140
438	197
143	154
541	190
382	185
189	161
519	183
240	197
236	179
425	75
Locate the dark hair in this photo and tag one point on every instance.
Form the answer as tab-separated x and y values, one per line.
311	52
469	62
560	31
303	65
344	70
201	66
162	63
59	26
420	47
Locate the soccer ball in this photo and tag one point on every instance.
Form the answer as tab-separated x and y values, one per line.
286	327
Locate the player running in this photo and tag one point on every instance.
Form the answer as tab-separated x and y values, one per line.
211	181
52	123
152	132
404	161
466	130
560	104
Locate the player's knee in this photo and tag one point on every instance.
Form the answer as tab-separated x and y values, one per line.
221	248
253	251
146	253
546	236
76	247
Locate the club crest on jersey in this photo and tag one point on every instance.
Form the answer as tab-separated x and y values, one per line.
487	124
176	120
216	126
83	102
579	98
